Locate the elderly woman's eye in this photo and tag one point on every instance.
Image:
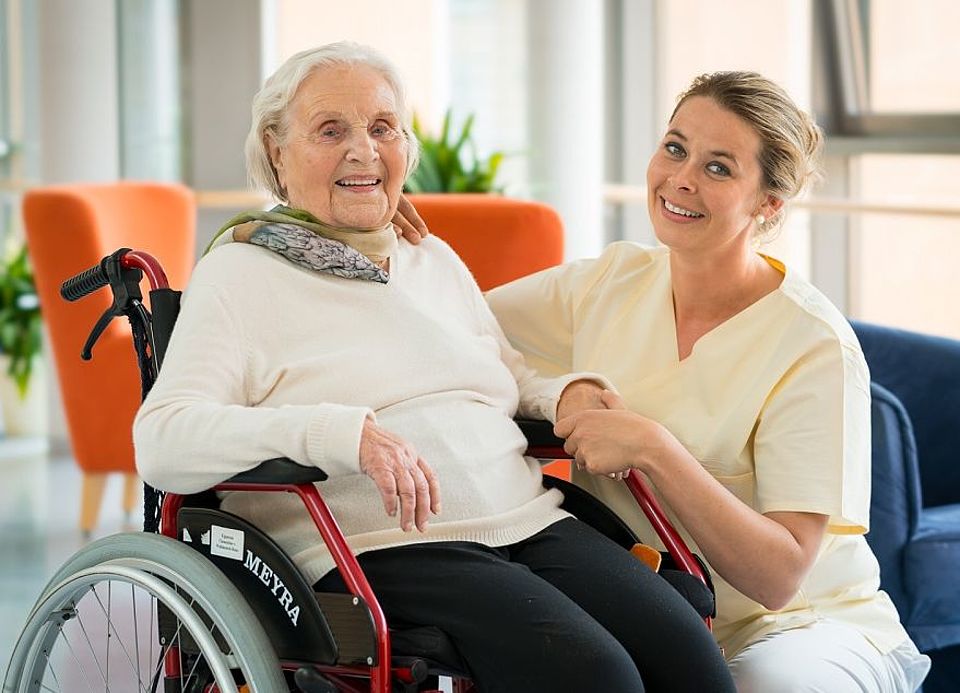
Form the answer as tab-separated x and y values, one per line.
674	149
330	131
383	130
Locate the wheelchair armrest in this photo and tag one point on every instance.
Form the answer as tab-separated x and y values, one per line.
541	442
280	470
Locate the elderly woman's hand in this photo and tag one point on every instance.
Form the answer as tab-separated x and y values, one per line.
614	440
580	395
401	476
408	223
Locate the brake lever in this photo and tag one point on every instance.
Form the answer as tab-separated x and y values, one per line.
98	329
125	287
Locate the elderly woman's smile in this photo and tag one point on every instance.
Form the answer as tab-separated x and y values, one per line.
360	184
343	155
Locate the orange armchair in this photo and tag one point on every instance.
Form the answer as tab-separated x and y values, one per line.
500	239
70	228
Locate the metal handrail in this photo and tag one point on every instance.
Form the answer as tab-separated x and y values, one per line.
621	194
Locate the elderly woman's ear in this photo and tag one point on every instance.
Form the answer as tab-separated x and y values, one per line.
407	223
276	157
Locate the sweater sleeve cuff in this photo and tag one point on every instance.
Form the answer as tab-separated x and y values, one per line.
333	438
542	402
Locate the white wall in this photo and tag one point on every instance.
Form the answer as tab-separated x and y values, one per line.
222	68
409	33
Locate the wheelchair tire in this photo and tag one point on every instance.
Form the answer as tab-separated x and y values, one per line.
114	591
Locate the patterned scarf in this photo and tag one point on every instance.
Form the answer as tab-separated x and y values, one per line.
303	239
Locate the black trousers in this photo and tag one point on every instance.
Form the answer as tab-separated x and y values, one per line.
565	610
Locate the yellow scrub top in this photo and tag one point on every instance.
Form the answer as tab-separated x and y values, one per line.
774	403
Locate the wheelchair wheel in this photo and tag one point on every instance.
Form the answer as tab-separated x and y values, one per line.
126	611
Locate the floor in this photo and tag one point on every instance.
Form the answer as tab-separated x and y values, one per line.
39	509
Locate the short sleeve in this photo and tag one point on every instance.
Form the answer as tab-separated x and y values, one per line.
538	312
539	394
812	443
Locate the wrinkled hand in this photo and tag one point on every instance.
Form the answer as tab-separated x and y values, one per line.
402	477
408	223
612	441
578	396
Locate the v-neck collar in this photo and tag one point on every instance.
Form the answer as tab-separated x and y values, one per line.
723	326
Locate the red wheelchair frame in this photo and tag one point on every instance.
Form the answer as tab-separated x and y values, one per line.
122	271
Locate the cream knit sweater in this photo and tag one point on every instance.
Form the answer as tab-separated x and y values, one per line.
269	359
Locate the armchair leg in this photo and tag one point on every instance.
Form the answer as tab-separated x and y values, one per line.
131	494
91	494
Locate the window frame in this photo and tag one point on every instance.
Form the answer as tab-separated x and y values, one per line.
842	98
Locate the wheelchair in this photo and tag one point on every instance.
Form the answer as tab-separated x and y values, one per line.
204	602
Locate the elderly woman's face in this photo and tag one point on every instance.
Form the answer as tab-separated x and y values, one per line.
344	157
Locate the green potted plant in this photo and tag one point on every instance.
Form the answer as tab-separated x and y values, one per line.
449	163
20	324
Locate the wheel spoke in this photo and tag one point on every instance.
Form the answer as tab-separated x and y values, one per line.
155	679
53	672
173	641
154	632
110	626
183	686
109	623
80	666
136	635
90	645
199	658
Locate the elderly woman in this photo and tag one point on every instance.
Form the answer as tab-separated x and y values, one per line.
745	395
310	332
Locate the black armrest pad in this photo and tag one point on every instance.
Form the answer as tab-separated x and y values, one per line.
283	470
280	470
539	433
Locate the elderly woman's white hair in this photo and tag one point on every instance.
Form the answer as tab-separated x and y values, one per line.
271	103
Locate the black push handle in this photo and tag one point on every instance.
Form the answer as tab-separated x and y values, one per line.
90	280
84	283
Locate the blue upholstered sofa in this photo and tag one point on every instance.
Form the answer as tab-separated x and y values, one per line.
915	508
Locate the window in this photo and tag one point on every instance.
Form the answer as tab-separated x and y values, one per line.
895	126
922	77
903	270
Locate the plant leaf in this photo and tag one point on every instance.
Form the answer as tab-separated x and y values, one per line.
449	163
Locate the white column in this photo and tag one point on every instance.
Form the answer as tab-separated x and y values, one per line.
566	116
79	128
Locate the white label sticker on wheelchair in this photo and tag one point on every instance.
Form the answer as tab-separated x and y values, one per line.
226	542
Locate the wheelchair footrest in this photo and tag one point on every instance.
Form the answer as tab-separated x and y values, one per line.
352	627
309	680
